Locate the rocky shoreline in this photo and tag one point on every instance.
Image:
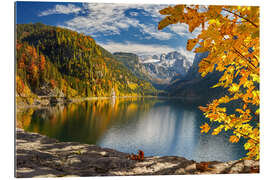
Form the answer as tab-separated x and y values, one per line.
41	156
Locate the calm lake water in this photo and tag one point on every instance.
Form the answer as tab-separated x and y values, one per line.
159	127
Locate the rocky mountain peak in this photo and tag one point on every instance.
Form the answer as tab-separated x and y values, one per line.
163	57
174	55
164	67
155	57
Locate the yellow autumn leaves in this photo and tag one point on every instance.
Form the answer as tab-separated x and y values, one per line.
230	35
234	139
191	43
205	128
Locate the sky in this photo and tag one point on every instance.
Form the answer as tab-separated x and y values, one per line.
116	27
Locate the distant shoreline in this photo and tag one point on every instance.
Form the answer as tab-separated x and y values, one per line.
45	102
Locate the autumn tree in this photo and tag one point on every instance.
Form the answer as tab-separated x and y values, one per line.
230	35
69	61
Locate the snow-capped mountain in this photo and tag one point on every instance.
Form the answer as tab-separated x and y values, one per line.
162	68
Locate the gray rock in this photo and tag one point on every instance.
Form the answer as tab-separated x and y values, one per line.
40	156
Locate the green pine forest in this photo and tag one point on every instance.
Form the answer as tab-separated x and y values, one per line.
70	64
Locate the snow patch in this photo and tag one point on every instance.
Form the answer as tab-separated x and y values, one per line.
150	61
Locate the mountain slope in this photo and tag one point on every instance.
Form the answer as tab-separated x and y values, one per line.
131	61
162	69
193	85
56	58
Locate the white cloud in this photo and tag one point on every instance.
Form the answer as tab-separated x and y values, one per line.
182	30
61	9
153	10
154	32
229	15
110	19
133	14
140	49
145	49
188	54
102	18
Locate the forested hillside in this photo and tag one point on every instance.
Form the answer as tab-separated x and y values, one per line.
60	62
131	61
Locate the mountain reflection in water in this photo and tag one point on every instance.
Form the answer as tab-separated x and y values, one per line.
157	126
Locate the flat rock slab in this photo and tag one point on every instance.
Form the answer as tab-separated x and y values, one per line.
41	156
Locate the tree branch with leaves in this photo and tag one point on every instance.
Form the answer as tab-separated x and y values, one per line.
230	35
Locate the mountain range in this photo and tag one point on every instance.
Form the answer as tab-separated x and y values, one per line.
173	73
162	68
53	61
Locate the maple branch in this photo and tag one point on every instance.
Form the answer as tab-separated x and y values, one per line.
240	17
248	60
235	130
256	116
206	61
256	58
253	55
244	57
244	135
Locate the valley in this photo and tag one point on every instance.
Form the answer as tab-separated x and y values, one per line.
63	64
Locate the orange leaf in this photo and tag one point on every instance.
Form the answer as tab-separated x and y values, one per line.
202	166
139	157
191	43
166	21
141	154
234	139
163	23
205	128
203	109
166	11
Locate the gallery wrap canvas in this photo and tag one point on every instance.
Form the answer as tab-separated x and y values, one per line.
119	89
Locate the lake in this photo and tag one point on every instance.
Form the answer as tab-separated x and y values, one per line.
158	126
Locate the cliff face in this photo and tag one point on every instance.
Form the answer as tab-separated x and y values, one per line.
40	156
193	70
163	68
193	85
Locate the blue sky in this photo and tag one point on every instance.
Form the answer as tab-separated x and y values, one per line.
116	27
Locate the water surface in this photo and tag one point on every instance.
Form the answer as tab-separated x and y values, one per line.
157	126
